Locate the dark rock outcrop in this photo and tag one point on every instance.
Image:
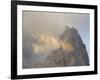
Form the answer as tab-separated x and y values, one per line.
72	52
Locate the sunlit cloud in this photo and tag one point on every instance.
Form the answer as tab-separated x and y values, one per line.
46	43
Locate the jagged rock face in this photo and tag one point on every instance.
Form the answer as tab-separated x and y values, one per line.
72	52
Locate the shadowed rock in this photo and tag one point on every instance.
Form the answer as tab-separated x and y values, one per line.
76	56
72	52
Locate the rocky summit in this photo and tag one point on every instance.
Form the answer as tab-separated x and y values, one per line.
72	52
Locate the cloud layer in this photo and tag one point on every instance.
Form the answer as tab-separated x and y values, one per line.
46	43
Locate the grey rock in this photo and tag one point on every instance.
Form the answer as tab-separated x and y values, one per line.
75	57
71	53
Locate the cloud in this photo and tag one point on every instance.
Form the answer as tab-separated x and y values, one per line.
46	43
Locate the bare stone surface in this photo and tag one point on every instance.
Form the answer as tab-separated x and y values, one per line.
71	53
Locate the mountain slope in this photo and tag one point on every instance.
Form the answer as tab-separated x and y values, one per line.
71	53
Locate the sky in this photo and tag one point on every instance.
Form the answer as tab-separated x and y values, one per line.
52	24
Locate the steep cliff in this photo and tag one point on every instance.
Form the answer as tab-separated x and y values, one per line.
72	51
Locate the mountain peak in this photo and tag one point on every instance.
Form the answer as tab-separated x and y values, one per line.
73	50
68	50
